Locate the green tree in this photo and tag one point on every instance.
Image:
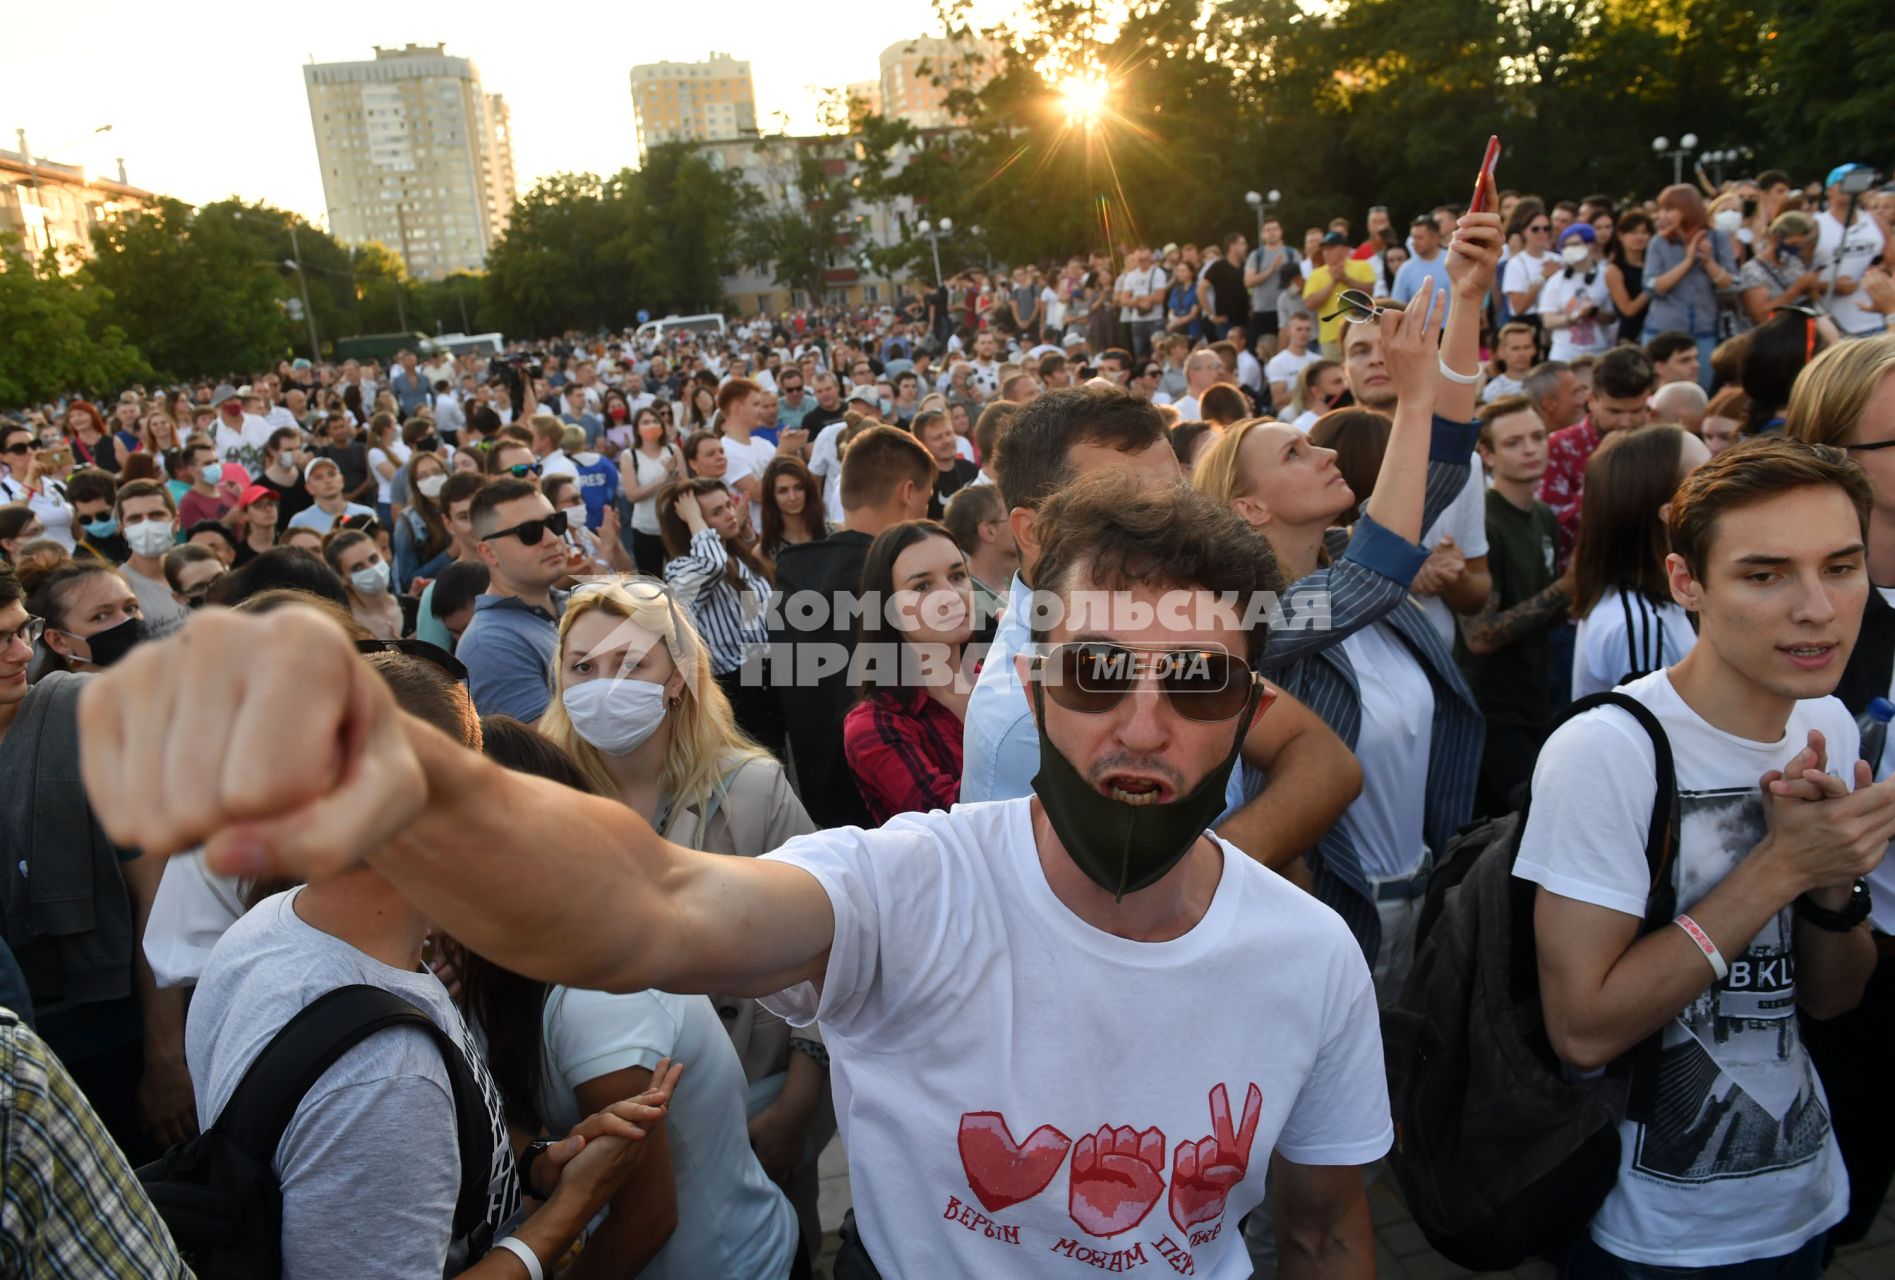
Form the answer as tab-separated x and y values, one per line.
190	290
799	230
56	342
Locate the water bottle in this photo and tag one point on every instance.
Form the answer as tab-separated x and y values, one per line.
1873	723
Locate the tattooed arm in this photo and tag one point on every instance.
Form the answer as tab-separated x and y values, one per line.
1494	628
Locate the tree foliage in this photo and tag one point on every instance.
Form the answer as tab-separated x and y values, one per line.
56	341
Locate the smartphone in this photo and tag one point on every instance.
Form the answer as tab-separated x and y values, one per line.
1483	180
55	459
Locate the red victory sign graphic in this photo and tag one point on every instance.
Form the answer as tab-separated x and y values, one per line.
1117	1176
1203	1172
1003	1172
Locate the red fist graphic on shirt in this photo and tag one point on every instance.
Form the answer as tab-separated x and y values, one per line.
1203	1172
1117	1176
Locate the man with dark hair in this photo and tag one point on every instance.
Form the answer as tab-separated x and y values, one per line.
887	477
92	494
451	604
508	647
1673	355
1735	1168
1115	365
149	519
1229	302
977	519
1054	371
1057	440
988	428
1622	385
457	512
983	1133
282	474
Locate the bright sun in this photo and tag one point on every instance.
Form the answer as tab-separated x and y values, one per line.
1083	97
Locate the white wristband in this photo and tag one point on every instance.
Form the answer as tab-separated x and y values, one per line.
521	1250
1465	379
1695	932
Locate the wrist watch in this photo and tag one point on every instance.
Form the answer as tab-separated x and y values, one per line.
1841	921
528	1156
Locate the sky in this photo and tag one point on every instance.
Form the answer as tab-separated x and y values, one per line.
206	99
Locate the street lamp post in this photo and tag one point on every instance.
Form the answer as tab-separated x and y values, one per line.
1718	159
302	278
1661	145
934	235
1259	201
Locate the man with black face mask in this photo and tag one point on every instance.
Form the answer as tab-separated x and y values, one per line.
1072	1023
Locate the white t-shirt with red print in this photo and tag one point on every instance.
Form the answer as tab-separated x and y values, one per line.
1022	1094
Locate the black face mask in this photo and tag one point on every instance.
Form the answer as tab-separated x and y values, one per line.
429	444
1121	847
1750	208
113	643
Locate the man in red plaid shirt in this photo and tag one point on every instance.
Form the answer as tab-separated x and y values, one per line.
1621	386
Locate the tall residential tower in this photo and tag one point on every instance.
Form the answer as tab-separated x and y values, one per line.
414	154
709	101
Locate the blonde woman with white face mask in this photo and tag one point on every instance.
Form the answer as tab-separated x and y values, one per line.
637	706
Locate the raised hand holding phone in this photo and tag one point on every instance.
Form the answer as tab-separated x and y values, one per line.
1486	200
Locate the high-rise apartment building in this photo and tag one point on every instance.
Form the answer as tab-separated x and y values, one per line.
414	154
918	75
707	101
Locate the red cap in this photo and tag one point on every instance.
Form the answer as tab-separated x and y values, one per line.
256	493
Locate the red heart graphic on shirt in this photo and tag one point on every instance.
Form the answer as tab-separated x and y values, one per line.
1003	1172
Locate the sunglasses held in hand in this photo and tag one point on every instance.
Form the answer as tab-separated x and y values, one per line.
1356	307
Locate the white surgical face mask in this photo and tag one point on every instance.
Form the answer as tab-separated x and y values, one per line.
150	537
371	580
212	472
616	716
1727	219
431	486
1575	254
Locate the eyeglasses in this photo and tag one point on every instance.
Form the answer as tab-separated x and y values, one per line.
430	653
1091	677
521	470
1541	227
529	532
1356	307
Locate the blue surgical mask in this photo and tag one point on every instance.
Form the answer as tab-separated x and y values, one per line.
101	528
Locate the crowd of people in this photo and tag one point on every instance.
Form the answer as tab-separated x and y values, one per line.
879	720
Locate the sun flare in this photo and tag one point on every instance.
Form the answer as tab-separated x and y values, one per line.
1084	97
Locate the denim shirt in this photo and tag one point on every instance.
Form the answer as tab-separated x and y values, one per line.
1691	305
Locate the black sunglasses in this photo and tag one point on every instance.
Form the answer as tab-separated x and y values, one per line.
432	653
19	448
521	470
529	532
1092	676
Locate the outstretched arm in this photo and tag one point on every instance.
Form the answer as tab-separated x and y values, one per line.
545	881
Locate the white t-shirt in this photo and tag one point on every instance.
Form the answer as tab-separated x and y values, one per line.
984	1041
190	912
1154	279
1740	1161
1501	385
1286	365
1591	336
1305	420
1521	274
732	1220
1604	653
1384	823
372	1146
825	460
749	458
1249	372
557	463
397	453
243	445
1465	521
1851	256
645	470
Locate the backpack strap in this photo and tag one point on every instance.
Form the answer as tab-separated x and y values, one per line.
1640	1062
264	1102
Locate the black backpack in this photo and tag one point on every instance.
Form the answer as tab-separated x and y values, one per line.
219	1193
1498	1155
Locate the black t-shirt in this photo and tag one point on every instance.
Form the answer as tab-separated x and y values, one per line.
1229	298
352	460
814	708
948	483
1511	684
290	498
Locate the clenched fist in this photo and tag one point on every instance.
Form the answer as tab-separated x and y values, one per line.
265	738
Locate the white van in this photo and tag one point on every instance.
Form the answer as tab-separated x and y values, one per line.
653	333
455	344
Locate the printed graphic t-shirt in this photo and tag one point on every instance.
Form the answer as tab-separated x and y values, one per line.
1021	1094
1739	1161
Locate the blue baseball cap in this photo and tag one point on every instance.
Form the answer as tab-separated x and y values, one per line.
1840	172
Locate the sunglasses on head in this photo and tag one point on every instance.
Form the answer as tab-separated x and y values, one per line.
529	532
1093	676
431	653
1356	307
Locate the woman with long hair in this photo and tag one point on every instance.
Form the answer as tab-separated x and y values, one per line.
1629	625
1320	387
700	408
1690	269
424	545
726	591
19	525
1625	273
640	710
620	428
158	436
1775	355
386	456
361	565
92	442
1359	438
651	463
792	507
902	738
